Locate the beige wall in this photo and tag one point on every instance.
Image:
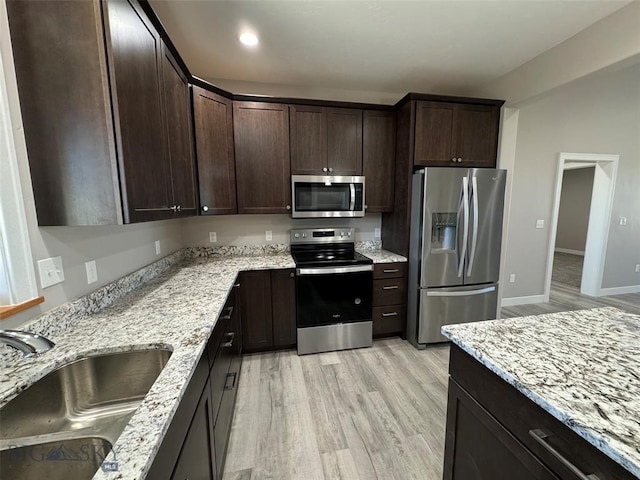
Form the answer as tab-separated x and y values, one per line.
599	114
573	214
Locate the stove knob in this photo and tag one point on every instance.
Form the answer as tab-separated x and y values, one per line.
342	234
304	235
296	235
349	234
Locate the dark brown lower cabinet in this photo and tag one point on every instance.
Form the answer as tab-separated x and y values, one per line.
268	310
195	444
196	460
389	299
494	432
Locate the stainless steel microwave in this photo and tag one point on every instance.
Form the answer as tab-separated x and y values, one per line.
327	196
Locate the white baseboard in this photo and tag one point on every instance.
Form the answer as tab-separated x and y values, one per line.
569	251
619	290
510	302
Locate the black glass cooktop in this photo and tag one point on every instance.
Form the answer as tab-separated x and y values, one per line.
327	255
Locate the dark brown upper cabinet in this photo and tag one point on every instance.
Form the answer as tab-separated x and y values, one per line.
378	159
103	114
325	141
213	119
450	134
261	139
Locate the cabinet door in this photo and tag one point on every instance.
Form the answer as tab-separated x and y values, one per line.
308	140
177	107
283	291
475	135
255	311
378	159
433	134
213	120
196	460
261	138
344	141
135	53
478	447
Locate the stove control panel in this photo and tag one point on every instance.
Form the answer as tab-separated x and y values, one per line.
322	235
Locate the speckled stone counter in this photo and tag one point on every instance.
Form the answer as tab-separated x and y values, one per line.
379	255
582	367
177	310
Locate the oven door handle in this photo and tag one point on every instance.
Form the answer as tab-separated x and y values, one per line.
332	270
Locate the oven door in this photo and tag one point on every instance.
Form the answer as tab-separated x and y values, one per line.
317	196
327	295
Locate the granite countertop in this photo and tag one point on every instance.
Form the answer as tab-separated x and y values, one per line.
583	367
381	256
177	310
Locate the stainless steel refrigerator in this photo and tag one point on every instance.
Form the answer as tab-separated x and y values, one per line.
454	252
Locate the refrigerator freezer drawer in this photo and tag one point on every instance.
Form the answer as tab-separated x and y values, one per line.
445	306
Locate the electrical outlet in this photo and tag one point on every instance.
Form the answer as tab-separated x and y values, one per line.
376	233
268	235
622	221
539	223
213	237
512	278
637	267
92	272
158	250
51	271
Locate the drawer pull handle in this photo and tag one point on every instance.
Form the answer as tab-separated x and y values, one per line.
228	315
394	270
390	287
226	382
390	314
541	437
229	342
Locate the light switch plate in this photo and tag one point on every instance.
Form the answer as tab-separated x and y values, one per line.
158	250
269	235
376	233
622	221
539	223
92	272
51	271
213	237
512	278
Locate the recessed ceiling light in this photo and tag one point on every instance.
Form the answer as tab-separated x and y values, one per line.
248	38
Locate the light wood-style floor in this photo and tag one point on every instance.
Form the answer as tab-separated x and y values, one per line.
373	413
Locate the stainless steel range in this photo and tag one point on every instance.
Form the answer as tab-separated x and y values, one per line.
334	290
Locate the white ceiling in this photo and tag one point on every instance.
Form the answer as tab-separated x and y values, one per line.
386	46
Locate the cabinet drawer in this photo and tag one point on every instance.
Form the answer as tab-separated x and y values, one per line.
389	270
388	320
389	292
524	417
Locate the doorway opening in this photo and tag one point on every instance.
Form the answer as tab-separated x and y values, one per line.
598	220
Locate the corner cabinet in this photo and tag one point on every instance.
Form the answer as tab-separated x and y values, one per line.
213	120
105	111
494	432
378	159
261	140
452	134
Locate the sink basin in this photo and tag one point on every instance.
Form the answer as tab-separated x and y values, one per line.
96	394
74	458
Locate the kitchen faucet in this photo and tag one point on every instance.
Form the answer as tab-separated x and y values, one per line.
28	343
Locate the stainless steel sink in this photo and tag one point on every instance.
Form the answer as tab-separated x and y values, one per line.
91	399
73	458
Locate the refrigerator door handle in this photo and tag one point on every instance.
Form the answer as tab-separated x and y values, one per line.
461	293
465	213
474	238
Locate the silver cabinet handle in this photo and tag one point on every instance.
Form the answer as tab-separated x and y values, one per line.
229	343
541	437
324	169
390	287
459	160
205	208
228	315
178	208
288	207
390	314
395	270
292	274
454	159
333	270
330	169
173	208
226	382
236	285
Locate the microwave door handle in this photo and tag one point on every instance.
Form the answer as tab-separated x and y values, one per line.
352	190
